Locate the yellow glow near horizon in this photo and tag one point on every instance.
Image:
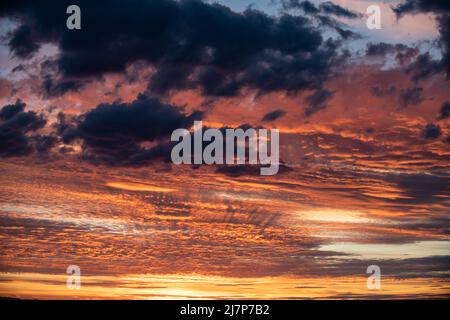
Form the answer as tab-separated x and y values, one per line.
137	187
334	215
195	286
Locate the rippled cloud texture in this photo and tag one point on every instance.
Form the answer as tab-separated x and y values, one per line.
85	123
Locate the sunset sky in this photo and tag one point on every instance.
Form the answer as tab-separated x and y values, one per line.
86	176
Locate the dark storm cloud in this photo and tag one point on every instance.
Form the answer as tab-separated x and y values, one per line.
113	133
325	14
334	9
418	6
43	143
317	101
247	170
379	49
306	6
338	26
9	111
161	151
423	67
404	55
444	27
442	10
54	88
431	131
190	43
22	43
325	7
65	127
445	111
410	96
421	188
16	127
239	170
382	49
215	82
171	77
271	116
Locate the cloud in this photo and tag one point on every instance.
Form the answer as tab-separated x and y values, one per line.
273	115
43	143
247	170
418	6
402	52
334	9
54	88
421	188
9	111
423	67
306	6
317	101
65	127
379	49
114	133
431	131
325	15
439	7
445	111
190	43
410	96
327	7
16	126
21	42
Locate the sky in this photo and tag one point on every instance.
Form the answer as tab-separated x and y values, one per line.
86	176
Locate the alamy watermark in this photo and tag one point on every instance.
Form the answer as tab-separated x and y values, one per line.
73	22
227	146
373	17
374	280
74	279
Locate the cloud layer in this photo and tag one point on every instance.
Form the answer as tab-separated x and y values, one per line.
191	44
